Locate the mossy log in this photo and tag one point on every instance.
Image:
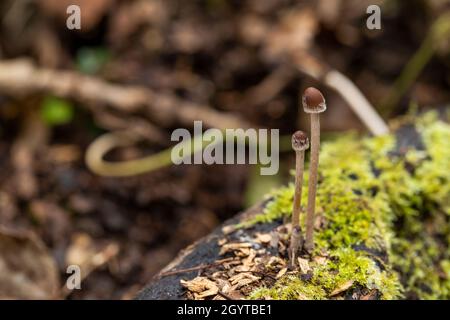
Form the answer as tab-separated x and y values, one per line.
382	228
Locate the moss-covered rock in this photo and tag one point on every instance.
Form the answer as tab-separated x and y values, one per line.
377	195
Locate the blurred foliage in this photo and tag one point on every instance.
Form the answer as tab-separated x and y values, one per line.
92	60
56	111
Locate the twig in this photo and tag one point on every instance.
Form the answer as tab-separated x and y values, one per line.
21	77
102	145
199	267
357	101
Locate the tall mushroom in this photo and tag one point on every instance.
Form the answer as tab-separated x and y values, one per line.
313	103
300	143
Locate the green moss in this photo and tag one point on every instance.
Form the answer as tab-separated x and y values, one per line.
290	288
346	265
369	196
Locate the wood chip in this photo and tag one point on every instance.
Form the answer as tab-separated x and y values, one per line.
263	237
224	285
201	287
229	247
242	279
248	262
281	273
243	268
207	293
228	265
304	265
274	261
242	252
341	288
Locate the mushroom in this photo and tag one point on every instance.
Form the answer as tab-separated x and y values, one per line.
313	103
300	143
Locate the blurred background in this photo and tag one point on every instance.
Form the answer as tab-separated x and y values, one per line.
147	67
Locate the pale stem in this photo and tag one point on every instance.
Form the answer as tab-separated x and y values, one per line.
312	183
296	236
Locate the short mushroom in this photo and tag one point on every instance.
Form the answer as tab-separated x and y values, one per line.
300	143
314	104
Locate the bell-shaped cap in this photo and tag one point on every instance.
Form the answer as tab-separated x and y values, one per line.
300	141
313	101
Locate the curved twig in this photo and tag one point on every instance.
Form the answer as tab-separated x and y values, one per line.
101	146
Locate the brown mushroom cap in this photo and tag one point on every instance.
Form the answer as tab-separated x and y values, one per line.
313	101
300	141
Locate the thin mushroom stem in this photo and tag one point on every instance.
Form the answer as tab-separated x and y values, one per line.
314	104
299	143
312	183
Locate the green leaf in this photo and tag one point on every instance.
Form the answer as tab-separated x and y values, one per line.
56	111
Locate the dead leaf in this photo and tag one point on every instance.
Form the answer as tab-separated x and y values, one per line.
304	265
242	252
248	262
27	270
263	237
341	288
242	279
281	273
223	285
242	268
201	287
276	261
229	247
